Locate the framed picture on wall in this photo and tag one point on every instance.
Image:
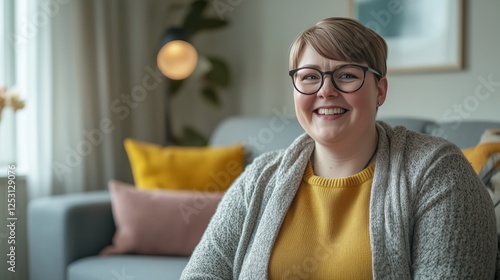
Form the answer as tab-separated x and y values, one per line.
423	35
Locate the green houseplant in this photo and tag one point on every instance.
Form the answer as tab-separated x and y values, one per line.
216	77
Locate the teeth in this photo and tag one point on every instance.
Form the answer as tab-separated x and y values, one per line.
331	111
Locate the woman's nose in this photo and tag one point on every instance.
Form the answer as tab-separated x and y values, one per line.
328	90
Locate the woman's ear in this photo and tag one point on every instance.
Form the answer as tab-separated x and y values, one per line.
381	90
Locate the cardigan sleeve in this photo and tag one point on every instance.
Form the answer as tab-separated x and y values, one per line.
221	250
454	233
213	257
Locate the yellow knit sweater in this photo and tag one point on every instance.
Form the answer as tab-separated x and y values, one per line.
325	234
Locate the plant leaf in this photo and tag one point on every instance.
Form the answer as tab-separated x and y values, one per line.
219	73
174	140
174	8
193	20
191	137
210	95
212	23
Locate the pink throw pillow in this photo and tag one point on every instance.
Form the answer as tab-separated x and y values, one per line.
158	222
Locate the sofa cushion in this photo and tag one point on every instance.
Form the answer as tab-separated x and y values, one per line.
127	267
416	124
258	134
485	155
464	134
184	168
159	222
485	159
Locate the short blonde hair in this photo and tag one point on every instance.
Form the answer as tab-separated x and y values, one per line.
342	39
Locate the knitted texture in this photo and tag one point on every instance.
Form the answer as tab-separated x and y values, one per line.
430	215
325	233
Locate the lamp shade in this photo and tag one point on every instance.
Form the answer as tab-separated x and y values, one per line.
177	58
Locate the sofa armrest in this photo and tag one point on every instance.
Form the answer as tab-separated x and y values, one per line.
64	228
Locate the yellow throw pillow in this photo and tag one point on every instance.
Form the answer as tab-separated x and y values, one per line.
184	168
479	155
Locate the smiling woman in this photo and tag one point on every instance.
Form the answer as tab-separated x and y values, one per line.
369	199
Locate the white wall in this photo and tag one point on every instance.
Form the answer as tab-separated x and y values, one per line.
261	32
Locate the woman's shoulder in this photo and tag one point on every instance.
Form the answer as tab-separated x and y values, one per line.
426	158
418	154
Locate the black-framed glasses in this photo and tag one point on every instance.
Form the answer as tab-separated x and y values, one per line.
347	78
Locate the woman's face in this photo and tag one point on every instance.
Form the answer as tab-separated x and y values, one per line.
349	115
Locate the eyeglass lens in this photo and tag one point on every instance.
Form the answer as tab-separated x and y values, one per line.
348	78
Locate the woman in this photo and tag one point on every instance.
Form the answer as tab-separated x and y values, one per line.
352	198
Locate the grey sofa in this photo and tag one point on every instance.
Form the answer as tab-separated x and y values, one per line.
65	233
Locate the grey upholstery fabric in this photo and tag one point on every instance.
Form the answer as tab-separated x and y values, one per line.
463	134
127	267
259	134
64	228
415	124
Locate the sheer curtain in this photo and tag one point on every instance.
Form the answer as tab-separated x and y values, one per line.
7	79
89	68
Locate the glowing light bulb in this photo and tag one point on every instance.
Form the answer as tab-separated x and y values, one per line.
177	59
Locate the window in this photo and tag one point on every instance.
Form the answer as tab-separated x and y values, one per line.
8	79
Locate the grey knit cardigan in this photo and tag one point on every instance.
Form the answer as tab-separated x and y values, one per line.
430	215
